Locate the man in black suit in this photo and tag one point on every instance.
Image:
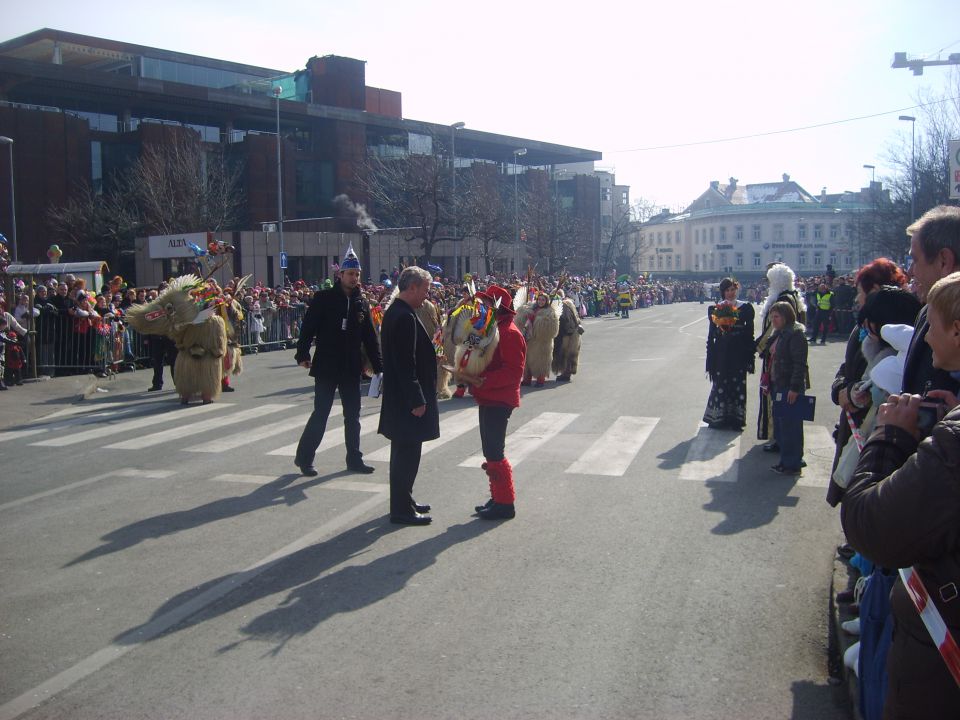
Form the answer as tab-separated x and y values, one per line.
339	319
409	414
934	254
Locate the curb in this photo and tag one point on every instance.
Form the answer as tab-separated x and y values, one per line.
844	578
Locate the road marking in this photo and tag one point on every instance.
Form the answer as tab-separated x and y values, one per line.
178	414
17	434
189	429
713	455
122	472
354	485
818	449
246	438
645	359
93	406
332	437
450	429
159	625
251	479
529	437
616	448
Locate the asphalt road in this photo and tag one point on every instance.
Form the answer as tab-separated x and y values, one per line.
161	562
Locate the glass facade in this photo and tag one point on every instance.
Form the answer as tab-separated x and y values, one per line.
196	75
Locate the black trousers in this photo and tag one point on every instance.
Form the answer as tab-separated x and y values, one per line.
161	352
493	430
324	390
404	465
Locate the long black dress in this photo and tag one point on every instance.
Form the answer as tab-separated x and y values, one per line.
729	358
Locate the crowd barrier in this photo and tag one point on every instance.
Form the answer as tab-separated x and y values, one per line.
271	330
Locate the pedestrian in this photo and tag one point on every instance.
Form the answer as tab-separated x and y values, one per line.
902	510
339	319
729	358
497	392
788	376
823	319
163	351
539	322
409	414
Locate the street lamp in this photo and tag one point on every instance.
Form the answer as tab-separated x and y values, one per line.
913	164
520	152
4	140
276	94
453	179
873	172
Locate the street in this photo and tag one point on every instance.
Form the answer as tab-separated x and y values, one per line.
168	562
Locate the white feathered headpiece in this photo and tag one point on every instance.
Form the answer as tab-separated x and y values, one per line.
781	278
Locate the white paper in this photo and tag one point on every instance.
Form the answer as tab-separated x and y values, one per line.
375	383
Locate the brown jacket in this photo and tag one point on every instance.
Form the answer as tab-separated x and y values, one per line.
903	508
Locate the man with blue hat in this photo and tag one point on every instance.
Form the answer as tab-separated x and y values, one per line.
339	319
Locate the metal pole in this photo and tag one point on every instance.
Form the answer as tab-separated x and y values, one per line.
4	140
516	219
913	170
276	94
453	180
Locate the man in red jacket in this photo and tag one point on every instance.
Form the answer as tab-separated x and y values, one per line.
497	392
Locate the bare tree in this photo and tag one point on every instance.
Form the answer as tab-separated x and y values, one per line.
101	226
483	212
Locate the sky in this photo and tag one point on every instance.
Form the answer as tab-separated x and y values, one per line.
653	86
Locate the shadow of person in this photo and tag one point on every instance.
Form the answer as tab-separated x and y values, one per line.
754	500
351	588
811	700
273	493
709	444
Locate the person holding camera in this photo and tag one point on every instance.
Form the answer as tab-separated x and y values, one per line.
902	509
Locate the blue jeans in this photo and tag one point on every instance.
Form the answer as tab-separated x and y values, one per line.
789	435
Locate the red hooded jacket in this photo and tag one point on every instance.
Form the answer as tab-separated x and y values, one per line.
501	379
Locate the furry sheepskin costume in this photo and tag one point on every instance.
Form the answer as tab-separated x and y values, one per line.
539	326
566	346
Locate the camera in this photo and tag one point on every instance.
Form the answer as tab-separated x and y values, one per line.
930	412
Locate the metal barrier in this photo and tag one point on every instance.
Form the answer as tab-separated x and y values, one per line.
274	329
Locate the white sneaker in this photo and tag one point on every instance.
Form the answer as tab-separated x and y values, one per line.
851	658
851	627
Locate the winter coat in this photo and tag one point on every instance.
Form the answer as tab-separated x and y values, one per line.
501	379
903	508
339	324
409	376
730	352
539	327
789	367
919	375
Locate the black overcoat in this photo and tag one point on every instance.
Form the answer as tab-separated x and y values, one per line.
409	377
339	324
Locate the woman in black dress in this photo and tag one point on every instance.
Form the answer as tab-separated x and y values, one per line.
730	357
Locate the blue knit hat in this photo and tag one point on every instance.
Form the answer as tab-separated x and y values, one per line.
350	259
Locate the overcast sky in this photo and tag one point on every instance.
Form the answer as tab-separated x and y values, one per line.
618	77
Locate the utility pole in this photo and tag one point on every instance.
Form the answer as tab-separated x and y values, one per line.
900	60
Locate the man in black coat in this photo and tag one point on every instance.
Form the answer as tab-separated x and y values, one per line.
409	414
339	319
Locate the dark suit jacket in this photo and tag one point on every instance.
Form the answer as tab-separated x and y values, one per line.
409	377
339	324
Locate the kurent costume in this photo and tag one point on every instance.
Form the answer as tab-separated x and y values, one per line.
188	312
539	322
730	357
497	396
340	323
566	346
781	279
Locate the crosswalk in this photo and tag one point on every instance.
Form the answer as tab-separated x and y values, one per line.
612	449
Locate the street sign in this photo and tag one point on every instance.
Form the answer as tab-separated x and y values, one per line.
954	179
283	261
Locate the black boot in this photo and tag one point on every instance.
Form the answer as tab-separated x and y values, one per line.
498	511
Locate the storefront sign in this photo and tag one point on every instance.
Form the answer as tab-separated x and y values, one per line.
174	246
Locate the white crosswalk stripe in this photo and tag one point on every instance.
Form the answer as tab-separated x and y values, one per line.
333	437
144	441
523	441
613	451
818	449
240	439
179	415
451	427
713	455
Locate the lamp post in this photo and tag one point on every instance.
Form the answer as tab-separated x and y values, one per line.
913	164
4	140
520	152
276	94
453	181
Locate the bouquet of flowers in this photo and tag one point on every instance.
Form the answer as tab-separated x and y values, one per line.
725	315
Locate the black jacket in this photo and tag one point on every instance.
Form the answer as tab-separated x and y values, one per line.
790	360
919	375
409	377
339	324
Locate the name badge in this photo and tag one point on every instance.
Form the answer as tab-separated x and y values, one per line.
343	324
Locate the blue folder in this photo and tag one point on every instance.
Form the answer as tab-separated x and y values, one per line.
803	409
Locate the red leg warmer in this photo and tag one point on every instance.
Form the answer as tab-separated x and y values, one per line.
501	482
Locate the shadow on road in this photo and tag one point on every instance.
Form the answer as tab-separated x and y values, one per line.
753	501
278	492
818	701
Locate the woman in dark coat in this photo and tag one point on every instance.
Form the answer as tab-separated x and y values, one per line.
409	414
788	376
729	359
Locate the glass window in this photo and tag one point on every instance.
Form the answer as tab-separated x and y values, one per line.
847	261
756	232
723	260
711	234
669	237
778	232
659	262
739	262
669	262
834	232
801	232
802	261
723	233
756	260
678	262
738	232
96	166
818	232
817	259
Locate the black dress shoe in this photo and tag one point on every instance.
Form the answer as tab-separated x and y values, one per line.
308	470
359	467
154	388
498	511
421	508
413	518
487	504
